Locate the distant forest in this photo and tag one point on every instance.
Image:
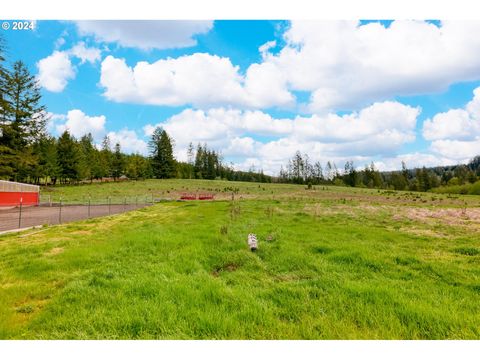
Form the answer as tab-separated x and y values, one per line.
459	179
29	154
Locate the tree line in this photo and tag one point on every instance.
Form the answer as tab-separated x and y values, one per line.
300	170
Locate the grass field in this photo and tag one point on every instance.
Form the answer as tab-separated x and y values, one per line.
333	263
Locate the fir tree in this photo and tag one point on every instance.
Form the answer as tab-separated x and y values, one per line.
105	158
69	157
117	162
23	111
161	150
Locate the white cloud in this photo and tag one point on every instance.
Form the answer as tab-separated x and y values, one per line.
455	134
129	141
55	120
241	146
345	64
265	47
461	151
266	86
54	71
84	53
342	65
453	124
146	34
59	42
198	79
391	121
79	124
378	130
457	124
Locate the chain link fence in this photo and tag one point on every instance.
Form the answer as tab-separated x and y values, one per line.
53	211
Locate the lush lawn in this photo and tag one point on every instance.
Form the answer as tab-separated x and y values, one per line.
332	263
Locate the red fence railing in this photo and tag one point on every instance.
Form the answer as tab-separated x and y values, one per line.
187	196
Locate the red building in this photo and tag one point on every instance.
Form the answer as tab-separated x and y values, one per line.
14	193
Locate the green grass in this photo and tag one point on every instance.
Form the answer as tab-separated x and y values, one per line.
338	264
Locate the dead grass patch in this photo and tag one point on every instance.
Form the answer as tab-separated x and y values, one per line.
55	251
450	216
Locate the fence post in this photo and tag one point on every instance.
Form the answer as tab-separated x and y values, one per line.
89	207
124	203
152	198
60	212
50	200
109	202
20	214
136	201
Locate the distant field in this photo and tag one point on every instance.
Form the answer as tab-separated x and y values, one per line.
172	189
333	263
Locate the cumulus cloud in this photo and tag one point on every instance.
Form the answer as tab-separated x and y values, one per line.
457	124
79	124
129	141
461	151
380	129
146	34
90	54
200	79
55	71
197	79
345	64
342	65
455	134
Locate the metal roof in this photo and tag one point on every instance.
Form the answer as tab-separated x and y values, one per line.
11	186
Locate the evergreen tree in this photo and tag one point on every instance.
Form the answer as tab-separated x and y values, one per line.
8	156
69	157
350	176
376	176
105	158
23	111
48	167
161	150
117	162
198	166
87	156
211	162
22	120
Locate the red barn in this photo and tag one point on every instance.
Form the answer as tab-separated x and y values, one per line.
14	193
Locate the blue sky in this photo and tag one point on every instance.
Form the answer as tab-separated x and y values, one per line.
257	91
